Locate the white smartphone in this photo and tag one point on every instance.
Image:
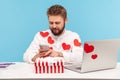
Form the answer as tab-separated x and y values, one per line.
44	47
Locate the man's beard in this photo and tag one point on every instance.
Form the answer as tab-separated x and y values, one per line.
59	31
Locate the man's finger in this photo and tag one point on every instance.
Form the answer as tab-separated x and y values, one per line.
42	54
48	53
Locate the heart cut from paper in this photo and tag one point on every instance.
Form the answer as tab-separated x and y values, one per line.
94	56
50	40
88	48
76	42
51	48
44	34
66	46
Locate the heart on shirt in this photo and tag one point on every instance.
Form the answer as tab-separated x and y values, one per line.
50	40
76	42
51	48
88	48
44	34
94	56
66	46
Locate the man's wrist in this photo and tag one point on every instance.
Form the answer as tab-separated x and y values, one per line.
35	57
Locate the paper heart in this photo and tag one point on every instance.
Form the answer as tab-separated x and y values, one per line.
44	34
76	42
94	56
88	48
51	48
65	46
50	40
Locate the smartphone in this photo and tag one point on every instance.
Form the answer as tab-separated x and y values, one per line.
44	47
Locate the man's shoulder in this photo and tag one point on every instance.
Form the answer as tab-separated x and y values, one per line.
71	33
44	32
48	30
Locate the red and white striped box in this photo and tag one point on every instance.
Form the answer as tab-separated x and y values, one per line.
49	65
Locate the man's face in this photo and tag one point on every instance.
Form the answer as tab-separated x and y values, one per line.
57	24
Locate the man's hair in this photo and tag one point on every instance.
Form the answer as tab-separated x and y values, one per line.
57	10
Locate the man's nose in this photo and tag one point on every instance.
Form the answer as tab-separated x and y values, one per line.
54	25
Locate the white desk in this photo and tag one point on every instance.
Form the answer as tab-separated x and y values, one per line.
22	70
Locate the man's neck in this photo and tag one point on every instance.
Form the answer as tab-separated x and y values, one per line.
62	33
56	36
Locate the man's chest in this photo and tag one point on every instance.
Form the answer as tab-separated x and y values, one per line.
62	44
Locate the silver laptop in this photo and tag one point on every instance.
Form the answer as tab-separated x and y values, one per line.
98	55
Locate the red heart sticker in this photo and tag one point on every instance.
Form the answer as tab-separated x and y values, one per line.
94	56
44	34
65	46
50	40
88	48
76	42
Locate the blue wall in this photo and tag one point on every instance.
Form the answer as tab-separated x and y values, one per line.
21	19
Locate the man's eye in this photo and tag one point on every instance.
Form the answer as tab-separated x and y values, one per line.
50	22
57	22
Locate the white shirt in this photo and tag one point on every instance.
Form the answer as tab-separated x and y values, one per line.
69	44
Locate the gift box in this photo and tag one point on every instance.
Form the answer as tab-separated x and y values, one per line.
49	65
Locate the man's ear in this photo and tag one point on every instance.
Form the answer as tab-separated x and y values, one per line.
66	20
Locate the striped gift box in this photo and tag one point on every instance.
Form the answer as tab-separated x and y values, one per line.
49	65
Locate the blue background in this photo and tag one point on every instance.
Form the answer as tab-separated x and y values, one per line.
21	19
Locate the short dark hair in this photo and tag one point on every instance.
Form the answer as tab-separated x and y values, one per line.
57	10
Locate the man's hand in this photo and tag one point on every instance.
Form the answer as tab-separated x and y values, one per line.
44	53
51	53
54	53
41	54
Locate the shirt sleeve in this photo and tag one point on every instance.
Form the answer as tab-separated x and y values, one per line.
76	54
32	50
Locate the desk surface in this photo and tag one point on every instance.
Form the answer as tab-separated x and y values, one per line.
22	70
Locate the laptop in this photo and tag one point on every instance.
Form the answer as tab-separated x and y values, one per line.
98	55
